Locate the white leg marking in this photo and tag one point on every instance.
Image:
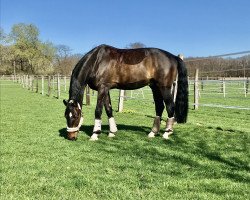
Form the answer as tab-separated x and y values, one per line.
110	135
170	123
151	134
112	125
98	125
165	135
169	128
94	137
97	128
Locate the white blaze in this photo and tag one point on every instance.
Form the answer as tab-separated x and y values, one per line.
70	114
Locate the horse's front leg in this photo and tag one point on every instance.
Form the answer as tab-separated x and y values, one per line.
109	112
102	95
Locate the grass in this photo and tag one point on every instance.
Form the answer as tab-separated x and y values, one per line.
207	158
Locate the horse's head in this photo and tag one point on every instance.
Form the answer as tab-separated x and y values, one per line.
73	115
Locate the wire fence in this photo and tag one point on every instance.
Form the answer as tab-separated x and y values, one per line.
224	65
224	93
232	93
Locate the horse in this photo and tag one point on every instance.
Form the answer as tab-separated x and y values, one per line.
106	67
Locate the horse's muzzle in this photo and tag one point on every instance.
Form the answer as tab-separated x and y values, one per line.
73	135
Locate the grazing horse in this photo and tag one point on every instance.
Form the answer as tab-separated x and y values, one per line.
105	67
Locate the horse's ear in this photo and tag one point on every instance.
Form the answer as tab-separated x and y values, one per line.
65	102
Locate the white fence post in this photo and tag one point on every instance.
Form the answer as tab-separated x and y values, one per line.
30	82
174	88
58	86
23	80
121	99
87	95
247	85
26	81
224	87
196	89
49	85
245	88
53	83
65	82
37	84
42	85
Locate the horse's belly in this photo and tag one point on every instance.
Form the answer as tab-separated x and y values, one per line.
132	85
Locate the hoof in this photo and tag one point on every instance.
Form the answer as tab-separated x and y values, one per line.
165	135
94	137
111	135
151	134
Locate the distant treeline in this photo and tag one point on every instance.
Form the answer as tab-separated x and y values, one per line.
219	67
22	52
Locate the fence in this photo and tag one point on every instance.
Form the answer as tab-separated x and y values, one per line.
223	88
205	91
50	85
45	85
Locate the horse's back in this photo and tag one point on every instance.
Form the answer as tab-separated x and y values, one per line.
134	68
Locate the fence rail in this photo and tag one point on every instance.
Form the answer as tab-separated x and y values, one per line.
43	84
200	88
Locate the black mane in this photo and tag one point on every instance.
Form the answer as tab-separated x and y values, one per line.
79	77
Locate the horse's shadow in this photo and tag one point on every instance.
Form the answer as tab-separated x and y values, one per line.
87	129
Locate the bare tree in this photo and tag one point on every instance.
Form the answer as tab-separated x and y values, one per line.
136	45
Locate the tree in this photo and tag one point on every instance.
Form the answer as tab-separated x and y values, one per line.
30	54
6	53
2	36
6	57
63	59
136	45
63	51
65	63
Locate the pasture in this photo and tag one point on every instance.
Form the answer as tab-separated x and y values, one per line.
206	158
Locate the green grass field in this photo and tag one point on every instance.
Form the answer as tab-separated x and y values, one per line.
206	158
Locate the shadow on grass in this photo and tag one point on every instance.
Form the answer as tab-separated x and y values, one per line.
191	152
213	155
87	129
63	133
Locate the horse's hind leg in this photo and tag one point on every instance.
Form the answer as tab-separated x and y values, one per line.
109	112
159	107
169	102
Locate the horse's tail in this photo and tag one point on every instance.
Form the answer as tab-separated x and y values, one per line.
181	102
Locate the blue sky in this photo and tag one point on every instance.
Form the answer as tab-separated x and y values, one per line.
191	27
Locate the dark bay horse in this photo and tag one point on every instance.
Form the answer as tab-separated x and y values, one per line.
105	67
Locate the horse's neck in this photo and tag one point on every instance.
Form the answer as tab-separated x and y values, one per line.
76	90
79	78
